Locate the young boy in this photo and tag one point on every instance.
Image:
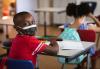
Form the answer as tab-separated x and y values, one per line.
25	46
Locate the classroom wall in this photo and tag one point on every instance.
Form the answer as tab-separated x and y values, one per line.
31	5
26	5
58	18
62	18
43	4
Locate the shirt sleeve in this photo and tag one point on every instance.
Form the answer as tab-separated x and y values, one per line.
37	46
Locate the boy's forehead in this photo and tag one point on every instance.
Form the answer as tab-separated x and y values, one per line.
20	21
30	18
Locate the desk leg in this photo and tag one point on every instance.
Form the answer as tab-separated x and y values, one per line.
37	62
45	29
7	36
62	67
88	61
5	27
98	40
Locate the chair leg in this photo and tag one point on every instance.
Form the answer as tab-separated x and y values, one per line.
62	67
93	62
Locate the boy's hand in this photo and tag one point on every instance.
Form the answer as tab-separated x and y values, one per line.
52	42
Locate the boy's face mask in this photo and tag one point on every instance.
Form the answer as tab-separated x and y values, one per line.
29	30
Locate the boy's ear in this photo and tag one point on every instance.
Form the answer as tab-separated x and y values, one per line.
16	27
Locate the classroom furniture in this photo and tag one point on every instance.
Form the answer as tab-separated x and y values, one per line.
98	33
87	35
95	57
19	64
5	22
90	35
74	53
48	10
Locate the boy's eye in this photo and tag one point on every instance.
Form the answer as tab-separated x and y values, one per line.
26	24
33	22
29	23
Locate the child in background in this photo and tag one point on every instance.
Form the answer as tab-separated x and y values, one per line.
25	46
79	12
92	6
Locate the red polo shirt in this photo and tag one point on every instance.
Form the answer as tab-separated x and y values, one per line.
26	48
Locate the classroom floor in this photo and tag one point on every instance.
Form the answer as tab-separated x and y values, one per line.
45	62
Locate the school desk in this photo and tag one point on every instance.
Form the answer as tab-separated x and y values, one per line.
6	21
70	54
95	28
48	10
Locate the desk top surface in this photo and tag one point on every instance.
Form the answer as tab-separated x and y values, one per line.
70	53
6	20
50	10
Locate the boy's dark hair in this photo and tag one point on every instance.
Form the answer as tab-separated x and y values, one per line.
77	10
21	17
21	20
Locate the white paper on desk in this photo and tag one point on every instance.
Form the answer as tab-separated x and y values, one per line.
70	45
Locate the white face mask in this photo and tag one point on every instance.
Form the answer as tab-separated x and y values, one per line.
27	27
29	30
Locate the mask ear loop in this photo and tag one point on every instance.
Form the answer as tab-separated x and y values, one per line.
18	28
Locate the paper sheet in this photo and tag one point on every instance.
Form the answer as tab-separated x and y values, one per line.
70	44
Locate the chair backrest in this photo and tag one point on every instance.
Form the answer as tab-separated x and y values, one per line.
19	64
87	35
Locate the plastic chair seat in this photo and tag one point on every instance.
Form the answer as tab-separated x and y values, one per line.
19	64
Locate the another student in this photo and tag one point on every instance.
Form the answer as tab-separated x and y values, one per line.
25	46
79	12
92	6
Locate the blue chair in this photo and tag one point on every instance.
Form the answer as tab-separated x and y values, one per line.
19	64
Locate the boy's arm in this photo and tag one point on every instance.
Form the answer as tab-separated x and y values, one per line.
52	49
